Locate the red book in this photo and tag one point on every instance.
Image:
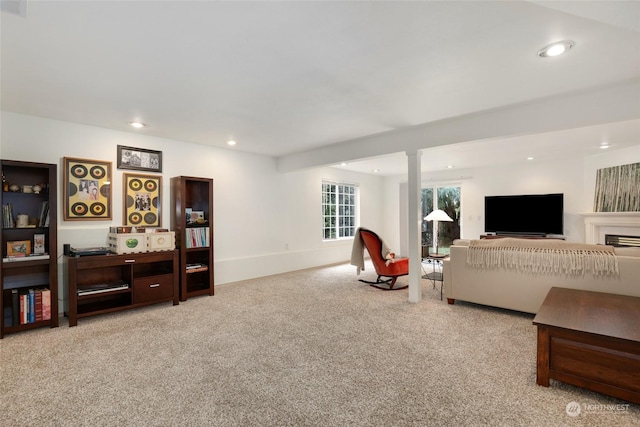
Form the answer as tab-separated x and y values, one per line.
38	305
24	302
46	304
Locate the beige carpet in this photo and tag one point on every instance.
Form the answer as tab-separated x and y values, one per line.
309	348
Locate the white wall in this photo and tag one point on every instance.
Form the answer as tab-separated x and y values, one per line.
533	177
265	222
573	177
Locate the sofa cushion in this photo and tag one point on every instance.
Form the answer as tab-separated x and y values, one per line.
461	242
627	251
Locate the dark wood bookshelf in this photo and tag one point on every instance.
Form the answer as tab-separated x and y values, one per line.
26	274
193	240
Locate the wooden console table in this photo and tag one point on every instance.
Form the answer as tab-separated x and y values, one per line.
591	340
107	283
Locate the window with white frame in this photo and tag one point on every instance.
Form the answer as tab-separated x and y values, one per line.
339	210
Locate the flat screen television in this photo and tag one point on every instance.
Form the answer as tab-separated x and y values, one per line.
533	214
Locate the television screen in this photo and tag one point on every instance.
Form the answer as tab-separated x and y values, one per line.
524	214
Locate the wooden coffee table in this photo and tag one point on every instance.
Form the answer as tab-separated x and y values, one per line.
591	340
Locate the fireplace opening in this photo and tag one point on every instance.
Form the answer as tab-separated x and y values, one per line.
621	241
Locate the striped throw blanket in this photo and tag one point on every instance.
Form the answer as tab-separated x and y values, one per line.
540	256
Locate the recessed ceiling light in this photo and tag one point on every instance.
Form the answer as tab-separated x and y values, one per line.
375	170
555	49
231	142
343	164
530	158
604	145
137	125
449	166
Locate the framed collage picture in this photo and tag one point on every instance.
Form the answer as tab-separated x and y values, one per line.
142	200
87	189
139	159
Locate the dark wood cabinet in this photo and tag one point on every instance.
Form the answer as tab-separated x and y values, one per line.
106	283
591	340
29	269
192	221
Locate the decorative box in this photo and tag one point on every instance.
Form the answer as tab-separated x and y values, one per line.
127	243
161	241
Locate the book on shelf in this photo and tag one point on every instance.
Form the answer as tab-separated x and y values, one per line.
15	307
196	267
32	306
46	304
197	270
43	220
7	216
32	257
99	288
28	305
197	237
24	310
38	305
38	298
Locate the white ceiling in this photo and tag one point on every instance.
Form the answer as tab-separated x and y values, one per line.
285	78
537	147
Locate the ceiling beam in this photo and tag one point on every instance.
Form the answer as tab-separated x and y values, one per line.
602	105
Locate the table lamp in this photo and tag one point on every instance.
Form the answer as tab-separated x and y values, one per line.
435	216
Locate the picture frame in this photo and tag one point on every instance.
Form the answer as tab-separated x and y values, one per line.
38	244
196	217
19	248
86	189
142	202
617	189
139	159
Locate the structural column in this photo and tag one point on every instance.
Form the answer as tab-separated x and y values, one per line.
414	222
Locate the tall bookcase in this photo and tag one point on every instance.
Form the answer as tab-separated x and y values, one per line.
192	221
29	242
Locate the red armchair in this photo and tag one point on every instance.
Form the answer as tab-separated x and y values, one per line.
391	270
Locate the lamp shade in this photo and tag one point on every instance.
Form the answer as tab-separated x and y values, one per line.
438	215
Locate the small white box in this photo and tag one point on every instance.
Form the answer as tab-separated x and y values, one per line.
127	243
161	241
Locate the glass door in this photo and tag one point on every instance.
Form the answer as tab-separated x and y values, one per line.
448	200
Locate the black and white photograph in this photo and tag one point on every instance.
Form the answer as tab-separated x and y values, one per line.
139	159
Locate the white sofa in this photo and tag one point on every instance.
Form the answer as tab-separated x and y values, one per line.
515	290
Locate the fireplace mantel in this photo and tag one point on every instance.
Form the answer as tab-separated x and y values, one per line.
597	224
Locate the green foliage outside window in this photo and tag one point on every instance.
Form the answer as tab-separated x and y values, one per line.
448	201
